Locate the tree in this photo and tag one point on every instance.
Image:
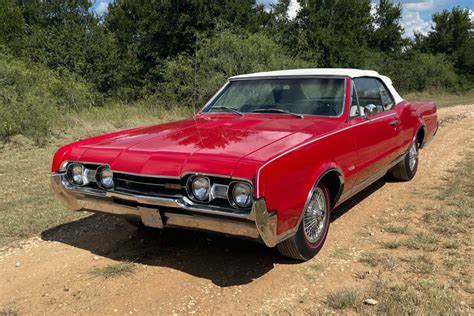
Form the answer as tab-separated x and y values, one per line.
337	31
452	34
67	36
149	32
12	24
387	35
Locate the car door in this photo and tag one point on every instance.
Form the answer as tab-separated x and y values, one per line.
377	131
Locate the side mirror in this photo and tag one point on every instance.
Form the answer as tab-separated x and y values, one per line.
369	109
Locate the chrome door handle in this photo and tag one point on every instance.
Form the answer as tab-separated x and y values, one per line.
394	123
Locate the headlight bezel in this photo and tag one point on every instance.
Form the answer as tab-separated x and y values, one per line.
190	189
232	196
79	179
100	177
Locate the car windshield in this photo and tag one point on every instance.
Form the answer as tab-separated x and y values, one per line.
294	96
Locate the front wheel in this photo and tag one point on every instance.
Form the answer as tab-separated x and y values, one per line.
312	229
406	169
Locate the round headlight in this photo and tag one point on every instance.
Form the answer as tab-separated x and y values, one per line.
200	188
76	174
107	178
242	194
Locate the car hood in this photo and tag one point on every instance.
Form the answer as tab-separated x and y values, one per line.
206	143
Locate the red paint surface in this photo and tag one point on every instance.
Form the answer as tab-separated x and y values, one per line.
283	155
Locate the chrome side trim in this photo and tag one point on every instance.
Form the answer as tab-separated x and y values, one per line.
367	182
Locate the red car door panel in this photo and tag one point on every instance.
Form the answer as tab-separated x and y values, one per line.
378	134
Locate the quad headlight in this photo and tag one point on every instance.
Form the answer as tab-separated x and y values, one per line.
77	174
200	188
242	194
106	178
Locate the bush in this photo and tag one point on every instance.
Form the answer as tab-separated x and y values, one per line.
31	97
218	58
415	71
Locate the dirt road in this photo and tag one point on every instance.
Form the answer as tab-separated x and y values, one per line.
187	272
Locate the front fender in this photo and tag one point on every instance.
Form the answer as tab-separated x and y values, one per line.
286	182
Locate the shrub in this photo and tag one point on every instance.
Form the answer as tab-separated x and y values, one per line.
415	71
218	58
31	97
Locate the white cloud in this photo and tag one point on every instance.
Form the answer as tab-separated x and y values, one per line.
293	9
471	15
419	6
412	22
101	7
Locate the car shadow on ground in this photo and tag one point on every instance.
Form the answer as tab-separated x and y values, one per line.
225	261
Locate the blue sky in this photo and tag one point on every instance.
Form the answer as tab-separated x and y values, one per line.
416	13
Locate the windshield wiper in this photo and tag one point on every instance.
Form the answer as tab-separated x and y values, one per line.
230	110
273	110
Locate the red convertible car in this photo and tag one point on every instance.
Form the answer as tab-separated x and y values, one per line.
267	158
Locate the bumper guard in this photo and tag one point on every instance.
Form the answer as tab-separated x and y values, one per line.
259	224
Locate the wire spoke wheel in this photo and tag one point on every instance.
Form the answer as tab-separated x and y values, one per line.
315	216
413	156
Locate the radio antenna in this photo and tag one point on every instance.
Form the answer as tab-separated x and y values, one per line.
195	74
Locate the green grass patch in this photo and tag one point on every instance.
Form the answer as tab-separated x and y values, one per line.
451	244
423	241
114	270
342	299
421	297
421	264
394	229
392	244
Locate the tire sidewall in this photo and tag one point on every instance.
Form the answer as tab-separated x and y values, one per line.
307	249
411	173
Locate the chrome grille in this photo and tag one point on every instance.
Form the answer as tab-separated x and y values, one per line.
149	186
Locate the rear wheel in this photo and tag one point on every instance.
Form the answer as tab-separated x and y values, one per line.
313	227
406	169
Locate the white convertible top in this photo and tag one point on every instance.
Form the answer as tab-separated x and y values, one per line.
345	72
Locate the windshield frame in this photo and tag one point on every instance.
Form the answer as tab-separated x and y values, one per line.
217	95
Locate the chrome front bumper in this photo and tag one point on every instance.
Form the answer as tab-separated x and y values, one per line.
259	224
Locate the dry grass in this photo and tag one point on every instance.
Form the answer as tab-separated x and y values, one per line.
394	229
442	99
392	244
421	264
419	297
114	270
429	272
27	206
380	260
8	312
342	299
423	241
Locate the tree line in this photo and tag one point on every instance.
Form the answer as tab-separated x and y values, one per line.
180	52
